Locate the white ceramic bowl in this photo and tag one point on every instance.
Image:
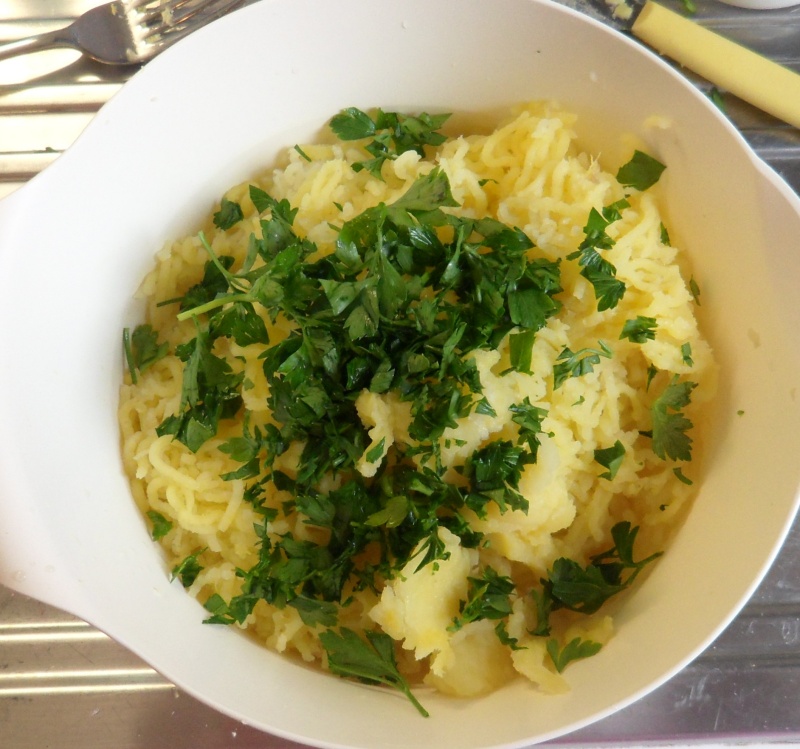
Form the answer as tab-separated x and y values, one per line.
75	242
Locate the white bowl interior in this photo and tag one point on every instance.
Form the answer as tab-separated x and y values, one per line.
213	110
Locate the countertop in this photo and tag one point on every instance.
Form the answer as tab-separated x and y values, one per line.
64	684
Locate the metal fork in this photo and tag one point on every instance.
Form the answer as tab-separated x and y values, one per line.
126	32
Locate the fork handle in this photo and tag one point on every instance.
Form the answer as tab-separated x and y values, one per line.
48	40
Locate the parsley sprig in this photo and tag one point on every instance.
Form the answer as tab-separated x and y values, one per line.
370	660
572	586
576	363
670	425
602	274
489	598
575	649
142	349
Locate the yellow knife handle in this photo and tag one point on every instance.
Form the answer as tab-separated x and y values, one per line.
755	79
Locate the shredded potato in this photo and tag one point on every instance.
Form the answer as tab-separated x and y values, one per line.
528	173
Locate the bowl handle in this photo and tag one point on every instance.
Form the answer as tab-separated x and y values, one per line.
29	561
28	564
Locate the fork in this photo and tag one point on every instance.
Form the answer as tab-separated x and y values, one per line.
126	32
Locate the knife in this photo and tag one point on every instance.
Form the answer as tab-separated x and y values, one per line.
765	84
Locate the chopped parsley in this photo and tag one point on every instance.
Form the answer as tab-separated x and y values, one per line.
142	349
686	354
489	598
408	293
187	570
610	458
576	363
389	134
641	172
573	650
670	425
640	329
608	289
694	289
718	98
161	526
228	215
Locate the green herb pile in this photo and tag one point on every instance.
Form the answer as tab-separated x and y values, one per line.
408	293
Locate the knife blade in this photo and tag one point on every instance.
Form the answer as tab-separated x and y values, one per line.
767	85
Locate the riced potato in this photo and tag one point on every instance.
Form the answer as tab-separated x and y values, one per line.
617	384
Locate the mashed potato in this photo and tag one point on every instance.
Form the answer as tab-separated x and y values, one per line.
598	462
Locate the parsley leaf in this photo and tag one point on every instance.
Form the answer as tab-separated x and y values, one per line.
575	649
694	289
228	215
353	124
670	425
620	557
520	347
582	589
245	449
428	193
640	329
641	172
489	597
599	272
371	660
161	526
529	418
577	363
142	349
213	283
188	569
210	392
686	354
502	634
242	323
314	612
494	472
610	458
608	289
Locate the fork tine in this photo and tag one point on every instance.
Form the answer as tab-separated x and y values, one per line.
149	7
189	10
158	9
130	5
176	18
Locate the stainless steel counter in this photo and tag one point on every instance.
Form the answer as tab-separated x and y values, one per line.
65	685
